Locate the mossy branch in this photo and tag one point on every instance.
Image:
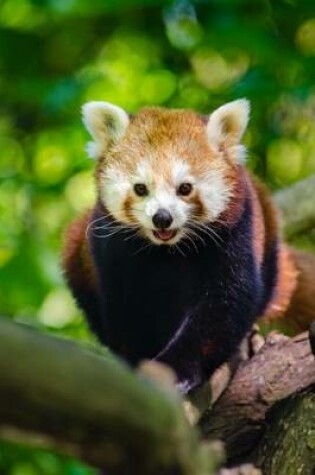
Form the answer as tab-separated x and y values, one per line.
58	394
297	206
61	395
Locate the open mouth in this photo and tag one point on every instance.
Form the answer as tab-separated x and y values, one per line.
165	234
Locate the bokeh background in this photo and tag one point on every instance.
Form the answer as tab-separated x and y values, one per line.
57	54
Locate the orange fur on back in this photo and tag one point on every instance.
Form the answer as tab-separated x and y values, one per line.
293	301
286	285
76	258
159	137
265	232
301	311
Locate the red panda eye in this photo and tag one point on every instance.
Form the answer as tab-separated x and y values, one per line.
140	189
184	189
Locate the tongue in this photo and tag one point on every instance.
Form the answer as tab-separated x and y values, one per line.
164	234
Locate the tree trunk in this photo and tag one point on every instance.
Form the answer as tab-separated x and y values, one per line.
288	446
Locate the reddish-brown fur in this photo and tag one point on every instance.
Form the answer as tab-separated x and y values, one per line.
184	133
180	131
76	257
301	311
293	298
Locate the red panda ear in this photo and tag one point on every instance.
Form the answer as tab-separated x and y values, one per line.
227	125
106	123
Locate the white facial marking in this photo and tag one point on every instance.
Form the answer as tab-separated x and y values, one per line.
180	172
213	189
143	173
161	194
115	186
215	193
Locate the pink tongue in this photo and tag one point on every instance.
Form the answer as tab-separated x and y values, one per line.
164	235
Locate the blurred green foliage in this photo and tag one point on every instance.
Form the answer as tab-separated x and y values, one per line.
15	460
57	54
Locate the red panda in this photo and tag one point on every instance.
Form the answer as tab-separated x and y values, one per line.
181	253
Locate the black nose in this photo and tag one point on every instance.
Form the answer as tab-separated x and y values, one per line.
162	219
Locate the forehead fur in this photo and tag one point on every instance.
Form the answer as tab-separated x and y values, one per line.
163	124
158	136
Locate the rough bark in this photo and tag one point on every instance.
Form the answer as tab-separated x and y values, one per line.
56	394
288	446
281	368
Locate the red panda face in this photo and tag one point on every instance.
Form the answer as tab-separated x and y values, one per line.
160	173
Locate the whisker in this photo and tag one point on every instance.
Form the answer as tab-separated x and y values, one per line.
191	231
213	233
106	236
192	241
206	229
142	249
180	250
89	226
114	230
133	235
112	223
184	243
115	226
212	236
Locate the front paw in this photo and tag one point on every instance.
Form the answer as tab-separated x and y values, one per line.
189	374
191	380
187	364
186	385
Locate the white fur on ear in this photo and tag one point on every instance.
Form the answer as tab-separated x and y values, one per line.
106	123
227	125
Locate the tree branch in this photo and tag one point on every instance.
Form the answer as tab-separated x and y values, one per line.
288	446
56	394
63	396
281	368
297	206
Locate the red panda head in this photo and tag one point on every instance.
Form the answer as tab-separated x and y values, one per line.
167	173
